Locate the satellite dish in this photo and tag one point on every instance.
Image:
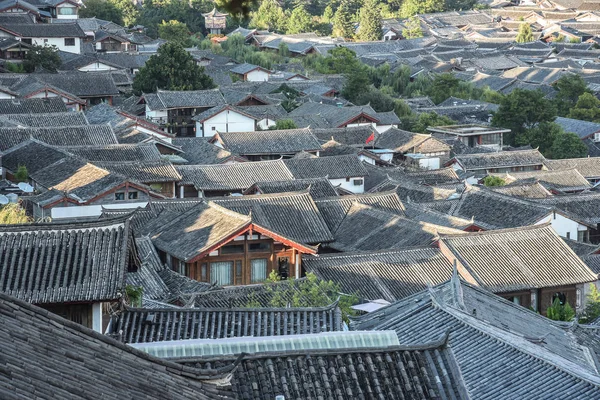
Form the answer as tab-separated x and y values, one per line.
13	198
25	187
3	200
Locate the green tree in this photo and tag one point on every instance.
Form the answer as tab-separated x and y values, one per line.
380	102
442	87
13	213
174	31
542	137
342	21
134	295
412	28
310	292
569	87
172	68
285	124
568	145
300	21
370	21
101	9
357	83
45	57
414	7
328	14
128	11
493	181
592	308
587	108
270	16
22	175
525	35
522	110
560	312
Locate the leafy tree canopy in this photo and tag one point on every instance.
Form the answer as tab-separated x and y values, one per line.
300	21
174	31
22	175
172	68
310	292
412	28
525	35
592	308
343	26
587	108
101	9
45	57
413	7
285	124
569	87
370	21
568	145
493	181
269	15
522	110
560	312
13	213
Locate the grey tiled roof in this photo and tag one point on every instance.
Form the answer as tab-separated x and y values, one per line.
89	366
583	129
95	256
243	69
45	30
382	230
559	180
41	120
502	159
116	152
334	209
164	99
239	176
317	187
334	167
524	189
483	326
581	207
81	84
538	258
28	106
588	166
493	210
390	274
293	215
289	141
198	151
356	135
143	171
395	372
33	154
138	325
83	135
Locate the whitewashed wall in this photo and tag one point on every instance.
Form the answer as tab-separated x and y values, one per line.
225	121
349	185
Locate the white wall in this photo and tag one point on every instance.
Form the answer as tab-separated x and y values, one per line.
257	76
89	211
565	227
97	317
429	163
60	43
349	185
66	5
70	105
366	159
97	66
6	96
265	124
226	121
157	114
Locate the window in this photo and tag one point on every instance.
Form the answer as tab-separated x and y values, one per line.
562	298
238	268
213	128
120	196
182	268
583	236
259	247
203	272
597	137
357	182
347	179
568	235
283	267
132	195
258	270
67	11
232	249
45	41
69	41
220	272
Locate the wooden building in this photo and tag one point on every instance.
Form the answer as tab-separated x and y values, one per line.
215	21
239	241
70	269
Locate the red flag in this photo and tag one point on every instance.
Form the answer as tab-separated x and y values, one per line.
370	138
